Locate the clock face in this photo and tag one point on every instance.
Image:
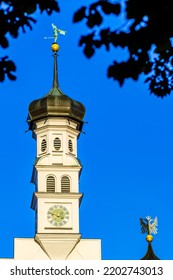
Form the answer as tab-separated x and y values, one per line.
58	215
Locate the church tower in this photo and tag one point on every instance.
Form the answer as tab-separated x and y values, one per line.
56	122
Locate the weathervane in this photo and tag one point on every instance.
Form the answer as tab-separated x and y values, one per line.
149	225
56	31
55	47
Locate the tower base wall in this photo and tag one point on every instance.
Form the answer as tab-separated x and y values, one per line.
29	249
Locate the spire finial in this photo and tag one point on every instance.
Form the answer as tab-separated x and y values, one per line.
55	72
149	225
56	31
55	48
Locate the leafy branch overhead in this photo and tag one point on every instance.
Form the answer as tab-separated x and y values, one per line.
16	16
145	31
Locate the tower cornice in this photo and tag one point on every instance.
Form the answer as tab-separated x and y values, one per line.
59	195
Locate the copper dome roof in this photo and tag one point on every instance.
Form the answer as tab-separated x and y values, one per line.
55	104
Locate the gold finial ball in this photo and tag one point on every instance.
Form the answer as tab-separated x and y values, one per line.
55	47
149	238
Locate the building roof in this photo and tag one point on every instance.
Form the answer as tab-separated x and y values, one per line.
150	255
55	103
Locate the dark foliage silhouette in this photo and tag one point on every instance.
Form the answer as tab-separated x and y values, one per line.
14	17
146	33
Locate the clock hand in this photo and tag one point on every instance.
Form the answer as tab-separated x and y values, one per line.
57	215
53	214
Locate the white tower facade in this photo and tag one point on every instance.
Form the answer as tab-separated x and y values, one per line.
56	122
56	176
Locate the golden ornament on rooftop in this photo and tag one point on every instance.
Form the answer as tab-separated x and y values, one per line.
55	47
149	238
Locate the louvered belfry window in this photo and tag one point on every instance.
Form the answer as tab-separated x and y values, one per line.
43	145
57	143
70	145
65	184
50	184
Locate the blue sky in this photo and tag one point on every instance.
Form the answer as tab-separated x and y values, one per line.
126	151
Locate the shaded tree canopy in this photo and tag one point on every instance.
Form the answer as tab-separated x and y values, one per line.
16	16
146	32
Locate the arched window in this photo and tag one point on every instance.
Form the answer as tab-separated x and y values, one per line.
50	184
65	184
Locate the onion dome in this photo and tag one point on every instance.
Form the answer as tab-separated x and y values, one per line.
150	255
55	103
